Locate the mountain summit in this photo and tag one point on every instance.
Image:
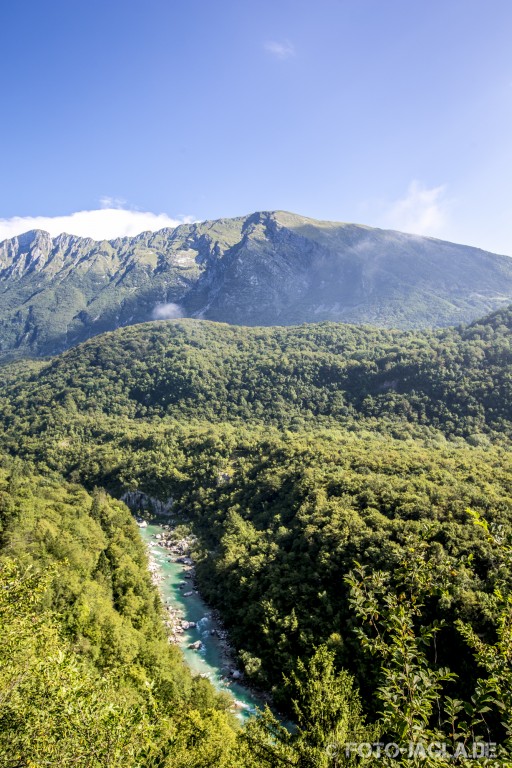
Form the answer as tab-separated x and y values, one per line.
268	268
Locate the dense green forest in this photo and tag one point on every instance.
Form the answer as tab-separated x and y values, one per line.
351	493
455	380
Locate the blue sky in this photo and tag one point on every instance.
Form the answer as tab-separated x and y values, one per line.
132	115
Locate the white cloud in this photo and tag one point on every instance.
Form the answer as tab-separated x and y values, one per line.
168	311
283	49
103	224
422	211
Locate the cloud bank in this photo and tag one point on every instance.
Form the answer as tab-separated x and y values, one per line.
103	224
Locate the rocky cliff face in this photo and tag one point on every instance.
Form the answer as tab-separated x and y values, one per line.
263	269
56	293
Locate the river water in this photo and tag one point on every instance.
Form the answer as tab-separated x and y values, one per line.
210	660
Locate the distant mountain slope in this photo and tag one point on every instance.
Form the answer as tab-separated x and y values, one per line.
57	292
264	269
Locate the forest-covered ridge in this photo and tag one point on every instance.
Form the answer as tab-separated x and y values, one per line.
456	380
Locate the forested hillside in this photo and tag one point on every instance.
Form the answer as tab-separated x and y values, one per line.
455	380
351	494
87	676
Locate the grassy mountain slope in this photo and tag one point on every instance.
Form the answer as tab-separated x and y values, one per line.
288	269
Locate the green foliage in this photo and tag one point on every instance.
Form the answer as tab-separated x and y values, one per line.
277	539
456	381
415	705
54	708
410	687
327	713
87	676
496	658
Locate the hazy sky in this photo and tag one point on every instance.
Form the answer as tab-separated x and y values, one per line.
132	114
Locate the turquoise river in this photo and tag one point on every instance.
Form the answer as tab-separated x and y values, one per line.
210	660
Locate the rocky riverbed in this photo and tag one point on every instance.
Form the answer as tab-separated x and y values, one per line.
190	623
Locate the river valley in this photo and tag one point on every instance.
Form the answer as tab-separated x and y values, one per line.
196	630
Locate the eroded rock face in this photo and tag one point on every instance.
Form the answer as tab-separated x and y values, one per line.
269	268
138	501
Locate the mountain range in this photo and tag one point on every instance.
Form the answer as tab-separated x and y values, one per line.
268	268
